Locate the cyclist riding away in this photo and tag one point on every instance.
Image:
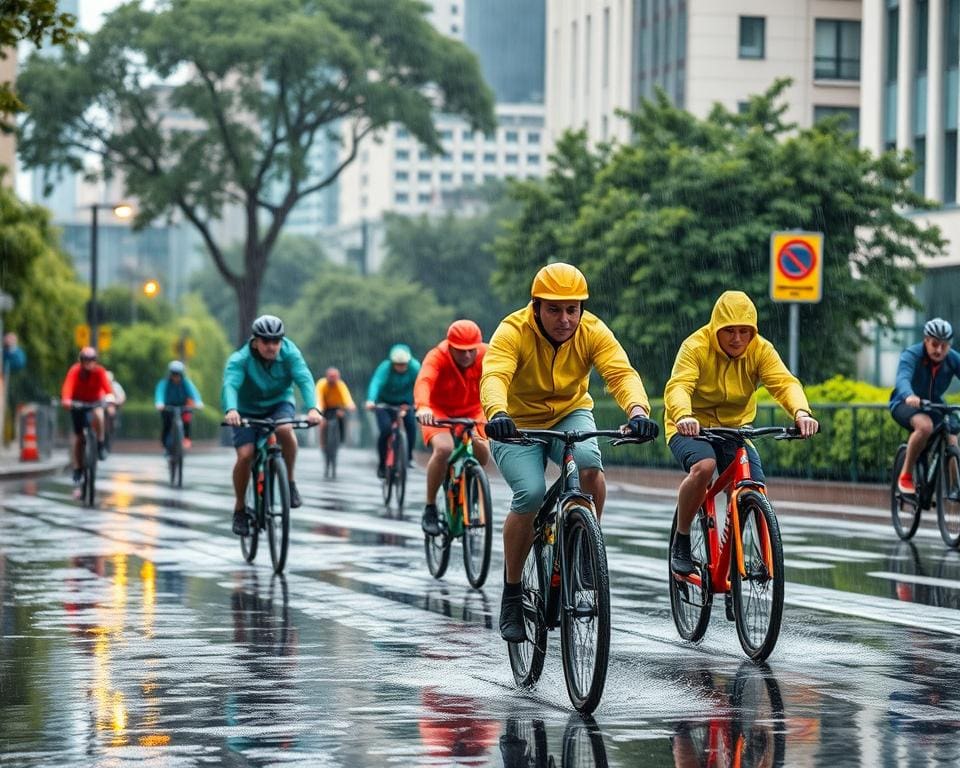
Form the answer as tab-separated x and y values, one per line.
448	387
86	382
392	383
536	375
333	399
925	371
258	384
713	384
176	389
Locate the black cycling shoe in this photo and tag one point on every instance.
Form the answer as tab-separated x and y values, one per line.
102	451
728	607
681	563
381	472
511	620
77	476
295	500
430	522
241	524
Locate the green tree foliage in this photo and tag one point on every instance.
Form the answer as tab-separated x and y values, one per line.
452	256
123	304
34	21
662	226
262	82
295	261
350	321
48	297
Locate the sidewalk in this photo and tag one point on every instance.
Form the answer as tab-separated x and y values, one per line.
11	468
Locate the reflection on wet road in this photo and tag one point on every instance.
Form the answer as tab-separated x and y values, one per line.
134	632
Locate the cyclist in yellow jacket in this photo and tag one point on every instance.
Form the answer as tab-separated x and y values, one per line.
713	384
536	375
333	399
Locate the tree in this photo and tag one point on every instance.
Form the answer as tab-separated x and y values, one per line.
32	21
123	304
350	321
261	82
662	226
48	297
453	257
295	261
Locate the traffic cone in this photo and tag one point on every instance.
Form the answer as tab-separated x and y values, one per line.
28	442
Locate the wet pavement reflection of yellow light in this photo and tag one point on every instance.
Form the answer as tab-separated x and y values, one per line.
123	492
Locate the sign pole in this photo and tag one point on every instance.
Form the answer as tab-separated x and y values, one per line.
794	336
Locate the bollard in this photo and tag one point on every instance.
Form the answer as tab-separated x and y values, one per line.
29	451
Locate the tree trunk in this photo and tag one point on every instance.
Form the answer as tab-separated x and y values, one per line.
248	300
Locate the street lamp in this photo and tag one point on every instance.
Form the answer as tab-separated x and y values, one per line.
151	288
121	211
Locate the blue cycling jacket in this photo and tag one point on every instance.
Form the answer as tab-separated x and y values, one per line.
918	375
254	387
169	393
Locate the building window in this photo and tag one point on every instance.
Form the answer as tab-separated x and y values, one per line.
401	176
512	159
533	137
423	176
489	157
922	40
402	154
920	158
424	197
402	133
837	50
446	178
468	157
425	154
454	9
605	51
454	29
852	113
489	177
751	37
533	159
511	137
468	178
950	167
446	134
401	198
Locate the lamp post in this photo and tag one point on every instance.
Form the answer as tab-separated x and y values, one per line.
121	211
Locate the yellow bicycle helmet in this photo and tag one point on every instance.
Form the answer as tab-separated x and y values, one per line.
559	282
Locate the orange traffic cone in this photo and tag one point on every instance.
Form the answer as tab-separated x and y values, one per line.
28	443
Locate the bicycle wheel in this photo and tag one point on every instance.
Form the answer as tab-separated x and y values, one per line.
691	599
276	511
437	548
389	468
758	596
526	658
905	513
583	744
175	457
248	543
332	442
585	607
478	532
90	458
759	727
524	743
948	497
401	454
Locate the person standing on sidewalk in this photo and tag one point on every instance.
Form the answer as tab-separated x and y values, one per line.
713	384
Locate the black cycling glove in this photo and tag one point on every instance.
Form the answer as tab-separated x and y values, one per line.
641	426
500	427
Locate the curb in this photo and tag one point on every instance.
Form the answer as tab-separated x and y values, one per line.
23	470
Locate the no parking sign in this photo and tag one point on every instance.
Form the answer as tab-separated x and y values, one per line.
796	266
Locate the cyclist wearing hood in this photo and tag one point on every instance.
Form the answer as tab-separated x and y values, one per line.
713	384
392	384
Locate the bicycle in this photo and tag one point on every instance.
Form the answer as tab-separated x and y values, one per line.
89	452
397	455
524	744
934	486
565	579
744	563
469	514
268	492
330	445
175	443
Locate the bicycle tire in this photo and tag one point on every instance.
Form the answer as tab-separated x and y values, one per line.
477	535
437	548
401	455
248	543
276	511
905	514
389	464
175	457
526	658
758	597
759	716
524	743
90	459
585	607
691	603
948	497
583	743
332	446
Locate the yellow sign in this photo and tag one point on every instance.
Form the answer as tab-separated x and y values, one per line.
104	337
189	348
81	335
796	266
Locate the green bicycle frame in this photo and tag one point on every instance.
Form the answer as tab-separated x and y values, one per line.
454	487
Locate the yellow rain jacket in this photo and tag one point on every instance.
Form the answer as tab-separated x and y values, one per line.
538	385
719	390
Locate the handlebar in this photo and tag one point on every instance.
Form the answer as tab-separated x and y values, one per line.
270	424
458	422
542	436
77	405
927	405
741	434
182	408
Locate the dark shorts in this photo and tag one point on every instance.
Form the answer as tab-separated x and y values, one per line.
247	435
903	413
80	418
688	451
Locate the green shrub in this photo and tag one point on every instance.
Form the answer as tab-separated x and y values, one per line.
142	420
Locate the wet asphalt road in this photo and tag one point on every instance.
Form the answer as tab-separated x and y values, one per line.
134	634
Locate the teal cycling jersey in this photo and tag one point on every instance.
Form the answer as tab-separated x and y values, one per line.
254	386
